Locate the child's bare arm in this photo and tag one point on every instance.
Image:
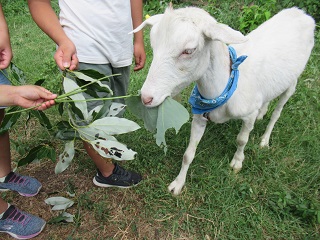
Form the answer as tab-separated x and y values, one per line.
139	52
47	20
5	46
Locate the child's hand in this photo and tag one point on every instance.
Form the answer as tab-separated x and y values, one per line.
26	96
5	54
66	56
139	56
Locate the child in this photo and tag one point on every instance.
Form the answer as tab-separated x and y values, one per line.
94	35
17	223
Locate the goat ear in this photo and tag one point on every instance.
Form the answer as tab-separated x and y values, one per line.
224	33
149	22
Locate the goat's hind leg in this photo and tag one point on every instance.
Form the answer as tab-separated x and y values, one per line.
263	110
242	139
197	129
284	97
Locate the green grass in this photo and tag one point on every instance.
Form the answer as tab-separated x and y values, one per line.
273	197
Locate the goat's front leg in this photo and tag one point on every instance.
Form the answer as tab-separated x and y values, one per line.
197	129
242	139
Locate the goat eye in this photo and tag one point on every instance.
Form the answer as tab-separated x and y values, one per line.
188	51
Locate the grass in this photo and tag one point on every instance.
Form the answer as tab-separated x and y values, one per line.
275	195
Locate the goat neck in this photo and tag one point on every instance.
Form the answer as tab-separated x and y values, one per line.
214	80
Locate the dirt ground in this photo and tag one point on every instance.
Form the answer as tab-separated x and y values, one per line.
121	219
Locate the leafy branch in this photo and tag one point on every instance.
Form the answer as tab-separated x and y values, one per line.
97	126
64	98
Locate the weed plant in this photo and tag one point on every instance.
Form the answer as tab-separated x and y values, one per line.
275	196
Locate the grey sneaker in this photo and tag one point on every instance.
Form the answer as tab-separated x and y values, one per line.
119	178
19	224
25	186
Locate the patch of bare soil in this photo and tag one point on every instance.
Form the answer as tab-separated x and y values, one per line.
100	213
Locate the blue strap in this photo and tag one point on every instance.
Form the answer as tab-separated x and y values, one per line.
202	105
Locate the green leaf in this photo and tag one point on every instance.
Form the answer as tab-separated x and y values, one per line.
92	73
94	112
68	217
267	15
65	131
63	125
51	154
171	114
113	125
60	108
107	109
81	75
43	119
70	85
58	219
88	134
9	120
38	153
105	127
18	74
59	203
115	149
65	158
75	112
148	115
61	105
39	82
100	111
91	134
62	218
62	206
94	89
67	134
115	109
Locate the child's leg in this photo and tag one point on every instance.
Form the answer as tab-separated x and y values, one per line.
110	174
3	206
25	186
104	165
5	157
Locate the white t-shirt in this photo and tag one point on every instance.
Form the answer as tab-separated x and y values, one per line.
99	29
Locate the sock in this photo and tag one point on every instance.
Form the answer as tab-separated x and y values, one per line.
1	214
3	178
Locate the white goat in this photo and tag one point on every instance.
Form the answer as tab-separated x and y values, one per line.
191	46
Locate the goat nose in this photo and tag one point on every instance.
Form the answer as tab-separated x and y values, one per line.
147	100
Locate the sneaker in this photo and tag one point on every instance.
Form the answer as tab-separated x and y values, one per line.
25	186
19	224
119	178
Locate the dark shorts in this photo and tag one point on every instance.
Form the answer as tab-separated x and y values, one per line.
119	84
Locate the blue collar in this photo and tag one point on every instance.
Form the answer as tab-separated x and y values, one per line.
201	105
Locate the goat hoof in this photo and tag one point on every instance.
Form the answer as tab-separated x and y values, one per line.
236	165
175	187
236	170
264	143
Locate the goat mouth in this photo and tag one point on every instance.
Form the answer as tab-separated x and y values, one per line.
157	101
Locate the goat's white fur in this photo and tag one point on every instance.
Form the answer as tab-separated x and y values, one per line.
277	51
